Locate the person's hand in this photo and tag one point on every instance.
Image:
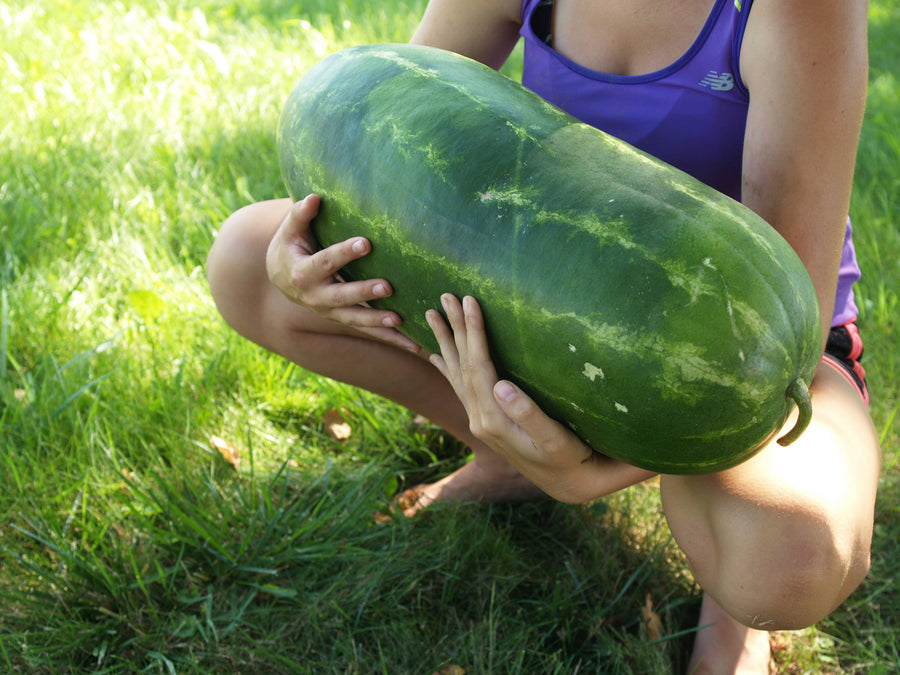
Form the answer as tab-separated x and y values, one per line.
507	420
308	277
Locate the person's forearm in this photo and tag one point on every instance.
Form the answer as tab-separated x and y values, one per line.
599	476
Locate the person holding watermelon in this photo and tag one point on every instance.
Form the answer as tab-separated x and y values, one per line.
761	99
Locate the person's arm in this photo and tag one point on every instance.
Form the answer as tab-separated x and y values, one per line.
805	64
484	30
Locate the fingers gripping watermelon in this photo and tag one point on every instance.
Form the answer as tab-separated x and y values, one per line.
666	324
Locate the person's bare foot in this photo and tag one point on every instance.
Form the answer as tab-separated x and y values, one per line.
724	646
482	480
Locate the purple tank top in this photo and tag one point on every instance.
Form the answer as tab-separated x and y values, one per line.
691	114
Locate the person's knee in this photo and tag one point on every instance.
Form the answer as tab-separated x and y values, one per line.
229	250
794	577
235	265
225	270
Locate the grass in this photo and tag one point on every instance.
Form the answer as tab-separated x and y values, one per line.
128	131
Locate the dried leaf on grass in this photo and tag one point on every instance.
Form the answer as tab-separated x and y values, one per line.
652	622
229	452
21	397
406	502
336	426
450	670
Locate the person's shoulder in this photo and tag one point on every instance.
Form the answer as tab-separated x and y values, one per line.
815	18
789	36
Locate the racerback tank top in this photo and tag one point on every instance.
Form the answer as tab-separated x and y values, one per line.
691	114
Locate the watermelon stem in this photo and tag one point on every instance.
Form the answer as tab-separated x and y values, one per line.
798	391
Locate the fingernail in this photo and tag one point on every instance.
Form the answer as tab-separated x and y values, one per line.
359	246
388	321
379	290
445	301
505	391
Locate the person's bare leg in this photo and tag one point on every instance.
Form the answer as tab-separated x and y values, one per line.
260	312
780	540
723	645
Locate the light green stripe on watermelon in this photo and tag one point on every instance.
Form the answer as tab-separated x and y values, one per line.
680	363
664	322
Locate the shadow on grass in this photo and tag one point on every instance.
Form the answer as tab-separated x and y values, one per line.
288	573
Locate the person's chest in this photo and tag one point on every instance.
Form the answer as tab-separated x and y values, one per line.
627	37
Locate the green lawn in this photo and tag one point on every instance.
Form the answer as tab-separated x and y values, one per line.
128	132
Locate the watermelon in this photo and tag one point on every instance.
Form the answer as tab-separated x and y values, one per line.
663	322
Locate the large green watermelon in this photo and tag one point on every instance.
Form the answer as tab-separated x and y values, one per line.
665	323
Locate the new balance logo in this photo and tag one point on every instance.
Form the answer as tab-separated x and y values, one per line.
718	81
